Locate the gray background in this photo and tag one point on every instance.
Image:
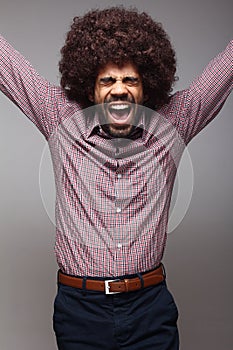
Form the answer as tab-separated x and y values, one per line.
199	252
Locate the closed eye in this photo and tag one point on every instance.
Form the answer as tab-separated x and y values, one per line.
129	80
107	81
132	81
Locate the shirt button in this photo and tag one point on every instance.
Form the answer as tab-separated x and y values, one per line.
118	210
119	245
119	176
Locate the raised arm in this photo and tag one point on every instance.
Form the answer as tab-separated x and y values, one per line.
34	95
196	106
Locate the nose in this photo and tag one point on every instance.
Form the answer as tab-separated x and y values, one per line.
119	89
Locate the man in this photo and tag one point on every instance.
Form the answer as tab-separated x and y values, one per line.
116	136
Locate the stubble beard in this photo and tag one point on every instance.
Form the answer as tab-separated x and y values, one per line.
115	129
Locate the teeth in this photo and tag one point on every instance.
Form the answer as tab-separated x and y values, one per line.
119	107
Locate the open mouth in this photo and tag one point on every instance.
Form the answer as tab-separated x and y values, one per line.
119	113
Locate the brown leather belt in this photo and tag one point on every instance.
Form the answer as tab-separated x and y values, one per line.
117	285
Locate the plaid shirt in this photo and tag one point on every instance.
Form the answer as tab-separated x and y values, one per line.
113	195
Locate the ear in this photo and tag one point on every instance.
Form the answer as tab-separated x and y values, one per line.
145	98
91	97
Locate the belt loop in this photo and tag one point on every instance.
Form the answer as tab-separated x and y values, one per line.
84	283
141	280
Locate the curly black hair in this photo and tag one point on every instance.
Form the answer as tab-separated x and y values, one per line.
117	35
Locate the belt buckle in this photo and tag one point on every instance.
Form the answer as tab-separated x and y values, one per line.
107	286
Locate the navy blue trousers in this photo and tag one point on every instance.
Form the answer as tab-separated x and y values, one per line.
145	319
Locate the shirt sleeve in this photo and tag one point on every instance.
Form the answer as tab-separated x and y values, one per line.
192	109
35	96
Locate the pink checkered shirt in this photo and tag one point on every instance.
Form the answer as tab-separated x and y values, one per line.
113	195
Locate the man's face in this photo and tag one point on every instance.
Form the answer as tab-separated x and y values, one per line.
119	90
